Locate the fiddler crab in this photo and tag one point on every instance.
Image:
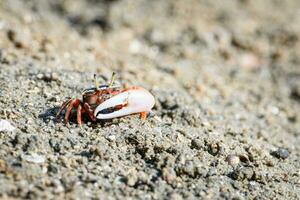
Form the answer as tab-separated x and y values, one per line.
109	101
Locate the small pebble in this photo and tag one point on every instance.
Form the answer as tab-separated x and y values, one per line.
175	196
196	144
213	149
40	76
168	175
48	77
233	160
111	138
295	91
132	178
34	158
6	126
2	165
281	153
249	61
135	47
54	76
242	173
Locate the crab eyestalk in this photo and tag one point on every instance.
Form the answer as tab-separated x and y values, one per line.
96	82
112	80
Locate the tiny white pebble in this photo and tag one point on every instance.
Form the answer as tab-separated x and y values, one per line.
157	118
233	160
135	47
6	126
111	138
274	110
35	158
205	123
252	183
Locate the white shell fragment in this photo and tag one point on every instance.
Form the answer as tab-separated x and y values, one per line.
6	126
34	158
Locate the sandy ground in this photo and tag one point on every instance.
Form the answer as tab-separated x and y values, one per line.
225	76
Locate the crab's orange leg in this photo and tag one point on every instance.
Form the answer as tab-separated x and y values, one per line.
63	106
143	116
73	104
79	112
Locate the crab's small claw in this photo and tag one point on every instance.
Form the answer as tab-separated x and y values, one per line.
130	101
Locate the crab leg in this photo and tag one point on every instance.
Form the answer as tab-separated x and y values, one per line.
143	115
63	106
131	101
73	103
89	111
79	114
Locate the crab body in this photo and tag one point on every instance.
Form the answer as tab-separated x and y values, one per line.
108	101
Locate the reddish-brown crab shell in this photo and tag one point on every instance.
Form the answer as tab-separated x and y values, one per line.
91	98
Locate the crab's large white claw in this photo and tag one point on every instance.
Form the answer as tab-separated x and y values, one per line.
134	100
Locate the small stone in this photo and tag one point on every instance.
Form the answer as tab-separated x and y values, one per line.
157	37
212	172
281	153
143	177
168	175
244	158
252	185
20	37
20	139
54	76
269	163
260	177
233	160
131	178
196	144
6	126
111	138
48	77
131	181
2	165
96	151
213	149
249	61
242	173
40	76
175	196
295	92
135	47
34	158
274	110
11	35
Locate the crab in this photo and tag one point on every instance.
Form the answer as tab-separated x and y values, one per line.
109	101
